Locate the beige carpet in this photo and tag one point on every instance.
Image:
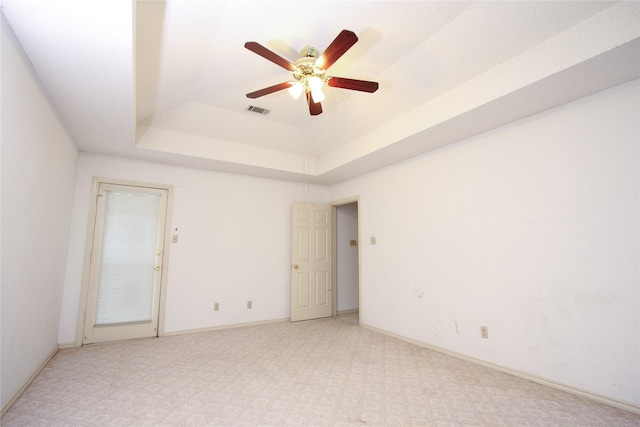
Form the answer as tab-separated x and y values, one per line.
318	373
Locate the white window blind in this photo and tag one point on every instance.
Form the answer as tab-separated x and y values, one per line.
125	287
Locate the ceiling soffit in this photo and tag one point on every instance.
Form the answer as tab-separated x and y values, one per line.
172	90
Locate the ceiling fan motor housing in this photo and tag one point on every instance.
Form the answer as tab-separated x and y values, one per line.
305	66
309	52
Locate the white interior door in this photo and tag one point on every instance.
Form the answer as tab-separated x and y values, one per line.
311	258
123	297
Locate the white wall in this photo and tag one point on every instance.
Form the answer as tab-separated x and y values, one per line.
532	230
234	243
38	171
347	256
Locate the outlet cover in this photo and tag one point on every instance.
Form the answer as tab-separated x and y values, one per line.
249	304
216	306
484	332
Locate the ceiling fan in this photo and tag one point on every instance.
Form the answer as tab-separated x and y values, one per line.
309	71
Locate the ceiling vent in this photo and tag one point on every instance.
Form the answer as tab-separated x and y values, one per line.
258	110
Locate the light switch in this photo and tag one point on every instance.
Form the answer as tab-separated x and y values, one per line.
373	240
174	238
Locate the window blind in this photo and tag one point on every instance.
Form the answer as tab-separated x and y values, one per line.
126	278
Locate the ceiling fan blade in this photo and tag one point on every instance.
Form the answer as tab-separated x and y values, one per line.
336	49
361	85
314	107
270	55
268	90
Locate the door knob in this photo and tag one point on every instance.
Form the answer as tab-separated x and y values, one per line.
157	267
295	266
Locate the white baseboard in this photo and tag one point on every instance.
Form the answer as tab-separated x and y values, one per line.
524	375
67	345
217	328
353	310
33	376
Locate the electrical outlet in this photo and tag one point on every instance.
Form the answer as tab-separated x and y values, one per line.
249	304
484	332
216	306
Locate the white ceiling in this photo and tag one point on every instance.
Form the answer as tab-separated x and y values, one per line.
166	81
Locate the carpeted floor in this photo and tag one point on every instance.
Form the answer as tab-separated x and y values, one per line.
327	372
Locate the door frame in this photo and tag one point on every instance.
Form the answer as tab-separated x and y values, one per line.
334	232
86	265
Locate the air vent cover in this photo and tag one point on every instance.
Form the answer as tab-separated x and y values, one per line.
259	110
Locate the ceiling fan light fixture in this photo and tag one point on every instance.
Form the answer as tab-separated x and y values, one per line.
317	95
315	83
296	90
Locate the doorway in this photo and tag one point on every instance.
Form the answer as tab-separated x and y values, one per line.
325	268
125	273
347	256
